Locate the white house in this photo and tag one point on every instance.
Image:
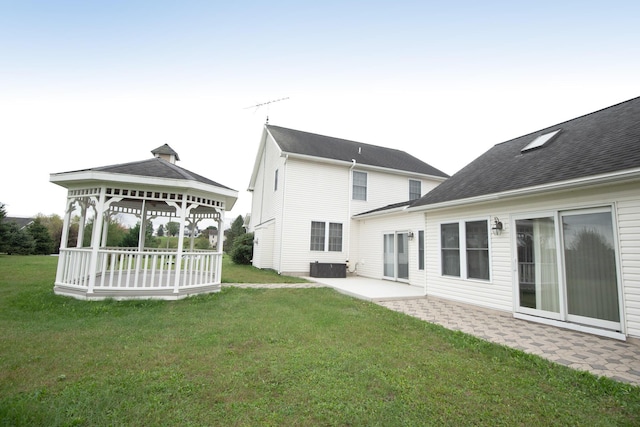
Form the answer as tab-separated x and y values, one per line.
306	189
546	226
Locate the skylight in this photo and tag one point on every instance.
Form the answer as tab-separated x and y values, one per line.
540	141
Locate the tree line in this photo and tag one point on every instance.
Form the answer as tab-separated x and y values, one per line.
44	234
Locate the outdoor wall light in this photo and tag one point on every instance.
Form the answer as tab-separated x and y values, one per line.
497	226
410	235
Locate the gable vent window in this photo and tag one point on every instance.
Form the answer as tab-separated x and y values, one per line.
540	141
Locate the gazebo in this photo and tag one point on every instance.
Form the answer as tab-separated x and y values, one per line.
148	189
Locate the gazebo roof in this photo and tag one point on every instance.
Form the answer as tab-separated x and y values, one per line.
155	172
156	168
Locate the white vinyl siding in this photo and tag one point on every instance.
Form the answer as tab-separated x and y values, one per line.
499	293
328	203
370	245
629	247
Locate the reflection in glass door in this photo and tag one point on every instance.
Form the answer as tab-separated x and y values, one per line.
396	256
389	251
590	268
538	287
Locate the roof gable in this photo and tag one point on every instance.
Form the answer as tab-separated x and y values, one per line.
602	142
314	145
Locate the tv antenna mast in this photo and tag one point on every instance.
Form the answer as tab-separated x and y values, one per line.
257	106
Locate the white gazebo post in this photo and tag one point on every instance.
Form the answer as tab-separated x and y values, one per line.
64	239
183	216
95	238
220	244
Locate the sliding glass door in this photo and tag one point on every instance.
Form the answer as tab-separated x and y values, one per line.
538	284
566	267
590	268
396	256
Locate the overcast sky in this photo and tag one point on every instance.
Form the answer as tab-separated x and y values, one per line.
88	83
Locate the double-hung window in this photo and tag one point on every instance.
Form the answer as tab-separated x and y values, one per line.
359	186
477	244
415	189
326	235
450	247
465	249
317	236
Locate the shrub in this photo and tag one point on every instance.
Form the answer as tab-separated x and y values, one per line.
242	251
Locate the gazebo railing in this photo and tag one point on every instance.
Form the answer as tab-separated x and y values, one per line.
131	269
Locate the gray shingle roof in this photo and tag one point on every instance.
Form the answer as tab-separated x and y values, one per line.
310	144
156	168
386	208
602	142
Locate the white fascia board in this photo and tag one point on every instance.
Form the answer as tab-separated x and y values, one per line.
380	213
594	180
98	178
259	154
359	166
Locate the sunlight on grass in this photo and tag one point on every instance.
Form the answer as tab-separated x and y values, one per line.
268	357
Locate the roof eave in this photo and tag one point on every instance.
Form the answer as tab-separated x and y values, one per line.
380	213
361	166
594	180
256	163
71	179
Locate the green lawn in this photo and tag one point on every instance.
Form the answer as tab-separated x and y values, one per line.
268	357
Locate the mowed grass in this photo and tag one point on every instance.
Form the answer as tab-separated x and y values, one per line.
268	357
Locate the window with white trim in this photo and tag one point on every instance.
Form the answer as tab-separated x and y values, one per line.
415	189
421	250
359	191
450	249
326	235
275	181
464	249
317	236
477	246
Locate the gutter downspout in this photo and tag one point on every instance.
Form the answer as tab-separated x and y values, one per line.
349	195
284	183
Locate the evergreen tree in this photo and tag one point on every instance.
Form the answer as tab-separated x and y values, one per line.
19	241
173	228
4	229
131	239
41	237
54	226
236	230
160	231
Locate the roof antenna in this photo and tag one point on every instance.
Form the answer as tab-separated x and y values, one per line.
262	104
